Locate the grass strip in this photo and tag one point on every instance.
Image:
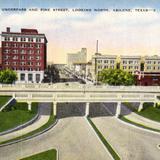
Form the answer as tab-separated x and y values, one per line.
107	145
4	100
15	115
45	126
137	124
47	155
148	111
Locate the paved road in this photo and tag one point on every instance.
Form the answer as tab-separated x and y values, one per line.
44	112
129	142
140	119
72	136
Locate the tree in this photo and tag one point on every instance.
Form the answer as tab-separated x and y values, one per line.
52	74
116	77
8	76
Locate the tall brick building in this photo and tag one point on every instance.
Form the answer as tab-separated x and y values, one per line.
26	53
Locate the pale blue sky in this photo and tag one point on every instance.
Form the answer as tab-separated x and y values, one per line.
135	33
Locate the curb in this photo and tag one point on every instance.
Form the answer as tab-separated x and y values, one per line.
140	128
30	137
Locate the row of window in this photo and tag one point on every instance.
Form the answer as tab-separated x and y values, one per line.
106	61
23	77
105	67
153	62
22	57
22	39
130	62
22	45
25	69
22	63
131	67
15	51
152	68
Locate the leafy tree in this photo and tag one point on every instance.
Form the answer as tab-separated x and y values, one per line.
8	76
116	77
52	74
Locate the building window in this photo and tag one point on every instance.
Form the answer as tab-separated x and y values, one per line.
37	57
37	78
38	46
15	57
23	57
6	45
22	78
15	51
30	77
7	38
38	39
6	51
124	67
105	61
15	39
124	62
99	61
148	67
22	51
112	61
30	39
130	62
38	51
23	39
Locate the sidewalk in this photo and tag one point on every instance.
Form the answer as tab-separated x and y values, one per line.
142	120
44	109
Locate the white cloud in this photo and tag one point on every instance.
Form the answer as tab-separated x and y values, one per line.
66	31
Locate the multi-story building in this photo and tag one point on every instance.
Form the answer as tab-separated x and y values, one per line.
79	57
26	53
130	63
150	71
100	62
146	69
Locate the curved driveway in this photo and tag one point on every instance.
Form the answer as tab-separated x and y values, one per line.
73	138
129	142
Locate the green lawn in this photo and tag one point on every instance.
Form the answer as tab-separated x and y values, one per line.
15	115
47	155
4	100
48	124
150	112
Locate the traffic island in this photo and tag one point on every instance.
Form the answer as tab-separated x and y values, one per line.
47	155
104	141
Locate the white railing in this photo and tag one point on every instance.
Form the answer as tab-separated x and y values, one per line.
78	87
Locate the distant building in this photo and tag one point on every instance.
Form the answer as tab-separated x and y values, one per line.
79	57
130	63
150	71
26	53
146	69
100	62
